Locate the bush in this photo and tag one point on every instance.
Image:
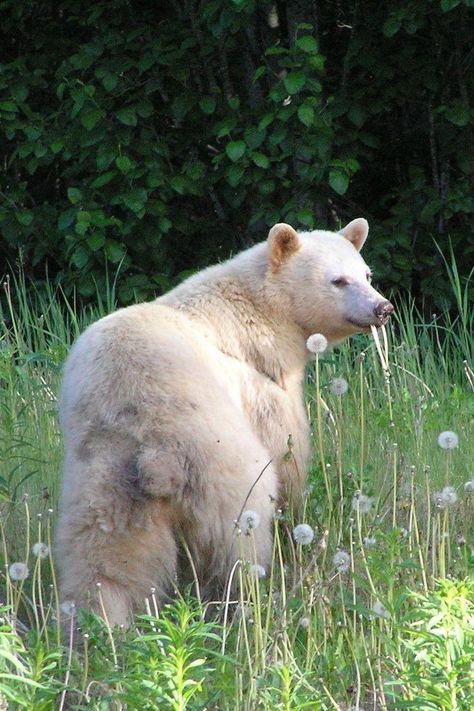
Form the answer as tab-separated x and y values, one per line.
156	139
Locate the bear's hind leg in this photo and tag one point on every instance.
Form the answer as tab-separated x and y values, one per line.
114	571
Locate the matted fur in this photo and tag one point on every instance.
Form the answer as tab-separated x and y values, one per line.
172	409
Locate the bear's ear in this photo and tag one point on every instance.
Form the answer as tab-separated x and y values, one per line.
283	241
356	232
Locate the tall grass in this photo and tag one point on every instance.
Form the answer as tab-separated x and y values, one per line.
377	612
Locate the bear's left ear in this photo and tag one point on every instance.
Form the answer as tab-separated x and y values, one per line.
356	232
283	241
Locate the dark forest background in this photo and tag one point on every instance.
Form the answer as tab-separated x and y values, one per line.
158	137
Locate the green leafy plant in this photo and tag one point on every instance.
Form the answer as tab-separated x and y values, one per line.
155	142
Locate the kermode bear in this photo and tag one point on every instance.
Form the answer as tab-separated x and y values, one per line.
171	411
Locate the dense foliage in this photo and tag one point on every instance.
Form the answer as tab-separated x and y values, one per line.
163	136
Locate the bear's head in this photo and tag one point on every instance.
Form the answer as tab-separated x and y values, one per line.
324	281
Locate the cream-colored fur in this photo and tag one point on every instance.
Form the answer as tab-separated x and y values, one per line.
171	410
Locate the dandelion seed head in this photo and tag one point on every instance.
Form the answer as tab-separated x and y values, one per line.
448	440
249	520
380	610
40	550
67	607
339	386
342	561
317	343
303	534
370	541
449	496
18	571
258	571
469	486
305	622
362	504
445	498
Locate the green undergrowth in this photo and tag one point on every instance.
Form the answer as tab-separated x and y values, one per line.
375	612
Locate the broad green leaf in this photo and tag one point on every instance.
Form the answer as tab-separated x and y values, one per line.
261	160
135	200
234	175
80	257
265	121
56	146
24	217
235	150
8	106
306	217
307	43
294	82
103	179
391	26
124	164
83	220
356	115
178	183
90	118
207	104
458	114
96	241
254	137
74	195
127	116
144	109
306	115
66	218
339	181
114	251
109	81
447	5
40	150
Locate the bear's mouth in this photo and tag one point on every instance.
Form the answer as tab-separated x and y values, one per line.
377	322
358	324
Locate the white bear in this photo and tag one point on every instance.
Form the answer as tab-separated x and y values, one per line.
177	416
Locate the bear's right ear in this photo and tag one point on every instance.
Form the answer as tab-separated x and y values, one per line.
283	241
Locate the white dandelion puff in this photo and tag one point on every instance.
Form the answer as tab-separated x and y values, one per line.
258	571
342	561
449	496
380	610
67	608
362	504
305	622
303	534
370	541
445	498
40	550
18	571
469	486
339	386
317	343
249	520
448	440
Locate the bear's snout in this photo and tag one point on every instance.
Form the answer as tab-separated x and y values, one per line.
383	311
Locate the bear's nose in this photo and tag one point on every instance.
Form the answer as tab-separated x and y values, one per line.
383	310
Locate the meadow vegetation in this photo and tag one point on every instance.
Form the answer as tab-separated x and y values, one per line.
368	605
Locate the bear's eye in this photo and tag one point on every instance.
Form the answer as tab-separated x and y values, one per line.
340	281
